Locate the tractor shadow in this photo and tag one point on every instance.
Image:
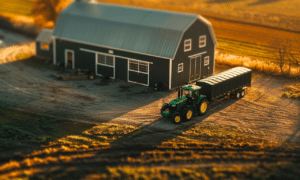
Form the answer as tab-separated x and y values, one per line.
163	129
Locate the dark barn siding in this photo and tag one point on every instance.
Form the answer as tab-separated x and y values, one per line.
43	53
197	29
121	68
105	71
159	70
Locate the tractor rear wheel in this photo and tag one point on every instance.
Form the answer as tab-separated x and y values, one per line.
165	107
202	107
176	118
188	114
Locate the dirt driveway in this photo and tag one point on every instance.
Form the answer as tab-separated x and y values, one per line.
31	85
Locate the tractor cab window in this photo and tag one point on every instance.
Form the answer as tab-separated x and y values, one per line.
186	92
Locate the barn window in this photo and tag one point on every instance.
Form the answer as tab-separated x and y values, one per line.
110	60
187	45
138	66
133	65
202	41
45	46
206	61
143	67
180	67
105	60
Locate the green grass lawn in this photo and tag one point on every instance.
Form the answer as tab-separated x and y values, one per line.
16	7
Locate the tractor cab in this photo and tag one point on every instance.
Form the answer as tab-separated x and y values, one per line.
189	91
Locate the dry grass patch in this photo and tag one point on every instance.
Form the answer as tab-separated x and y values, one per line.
293	91
258	65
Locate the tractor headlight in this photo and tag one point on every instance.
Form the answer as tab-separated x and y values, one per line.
173	105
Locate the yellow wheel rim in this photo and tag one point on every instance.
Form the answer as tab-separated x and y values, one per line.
189	114
203	107
177	119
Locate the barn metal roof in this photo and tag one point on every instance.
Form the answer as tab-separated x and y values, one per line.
229	73
45	36
145	31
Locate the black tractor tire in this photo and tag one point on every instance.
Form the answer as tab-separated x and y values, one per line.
165	107
91	76
176	118
202	107
242	93
188	114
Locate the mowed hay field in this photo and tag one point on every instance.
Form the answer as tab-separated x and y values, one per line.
16	7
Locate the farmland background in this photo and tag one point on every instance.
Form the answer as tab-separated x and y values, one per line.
233	24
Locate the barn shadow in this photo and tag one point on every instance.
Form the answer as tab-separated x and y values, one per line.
263	2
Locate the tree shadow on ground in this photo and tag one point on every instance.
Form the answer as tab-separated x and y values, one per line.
263	2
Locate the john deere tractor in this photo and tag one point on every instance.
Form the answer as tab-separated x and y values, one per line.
188	104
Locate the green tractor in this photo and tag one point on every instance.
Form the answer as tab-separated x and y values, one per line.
189	103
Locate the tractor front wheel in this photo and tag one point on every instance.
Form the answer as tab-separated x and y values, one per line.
176	118
202	107
188	113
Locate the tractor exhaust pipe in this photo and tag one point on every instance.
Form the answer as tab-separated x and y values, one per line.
179	91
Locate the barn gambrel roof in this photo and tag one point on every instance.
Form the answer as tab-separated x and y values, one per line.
145	31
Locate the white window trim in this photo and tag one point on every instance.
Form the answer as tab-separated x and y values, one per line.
206	57
181	69
54	51
204	41
66	58
138	63
46	49
105	61
96	63
185	50
138	71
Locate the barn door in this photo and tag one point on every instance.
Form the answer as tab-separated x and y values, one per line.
69	59
195	68
198	67
193	64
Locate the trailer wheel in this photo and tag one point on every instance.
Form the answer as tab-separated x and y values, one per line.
188	114
202	107
243	93
237	95
91	75
176	118
165	107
